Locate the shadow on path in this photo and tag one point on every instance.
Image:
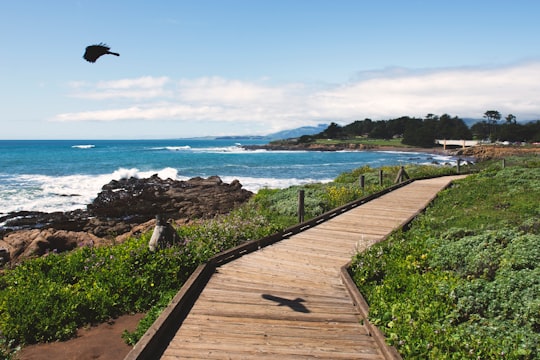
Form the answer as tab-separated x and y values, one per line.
295	304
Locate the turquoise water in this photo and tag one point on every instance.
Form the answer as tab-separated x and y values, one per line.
67	174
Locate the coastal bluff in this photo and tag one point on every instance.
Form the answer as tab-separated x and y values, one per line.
123	208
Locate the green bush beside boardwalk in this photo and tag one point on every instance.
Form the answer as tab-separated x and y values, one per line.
464	281
48	298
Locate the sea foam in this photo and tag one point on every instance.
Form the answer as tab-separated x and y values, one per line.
89	146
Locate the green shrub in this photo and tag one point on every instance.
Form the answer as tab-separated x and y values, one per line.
283	204
464	281
341	194
354	175
48	298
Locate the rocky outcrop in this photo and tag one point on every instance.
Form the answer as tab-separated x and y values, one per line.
486	152
37	242
141	199
123	208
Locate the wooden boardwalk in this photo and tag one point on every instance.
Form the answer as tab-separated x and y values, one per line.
288	300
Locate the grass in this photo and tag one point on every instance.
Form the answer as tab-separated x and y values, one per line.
464	281
49	298
364	141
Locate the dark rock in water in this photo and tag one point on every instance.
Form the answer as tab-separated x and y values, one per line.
21	220
71	220
139	200
119	208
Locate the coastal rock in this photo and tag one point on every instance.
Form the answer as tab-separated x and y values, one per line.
486	152
31	243
139	200
20	220
122	209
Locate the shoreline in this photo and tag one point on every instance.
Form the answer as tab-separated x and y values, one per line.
474	153
349	147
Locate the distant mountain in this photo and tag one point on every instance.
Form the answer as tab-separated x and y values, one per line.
237	137
294	133
281	135
470	122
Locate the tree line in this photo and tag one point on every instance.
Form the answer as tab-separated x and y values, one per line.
423	131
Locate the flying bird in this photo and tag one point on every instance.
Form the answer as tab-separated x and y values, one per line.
93	52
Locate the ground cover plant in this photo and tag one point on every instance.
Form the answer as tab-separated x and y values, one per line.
49	298
464	281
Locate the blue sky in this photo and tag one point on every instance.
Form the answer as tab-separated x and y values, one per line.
233	67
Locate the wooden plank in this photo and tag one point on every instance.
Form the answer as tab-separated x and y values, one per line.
272	312
256	296
252	294
262	352
311	253
293	252
296	329
275	287
286	258
285	278
277	342
300	307
300	271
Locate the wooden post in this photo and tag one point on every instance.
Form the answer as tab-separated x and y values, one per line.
402	174
380	177
458	166
503	163
399	177
362	181
301	206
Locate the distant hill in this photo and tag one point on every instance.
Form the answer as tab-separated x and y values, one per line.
285	134
294	133
470	122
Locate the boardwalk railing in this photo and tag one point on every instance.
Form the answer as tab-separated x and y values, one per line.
154	342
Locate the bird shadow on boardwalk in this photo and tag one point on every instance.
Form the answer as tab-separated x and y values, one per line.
295	305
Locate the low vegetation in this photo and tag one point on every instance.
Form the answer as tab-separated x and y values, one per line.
48	298
464	281
93	284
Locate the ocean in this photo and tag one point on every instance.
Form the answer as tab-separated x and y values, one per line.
63	175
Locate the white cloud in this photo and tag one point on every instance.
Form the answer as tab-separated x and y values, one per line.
216	89
463	92
390	93
146	87
145	82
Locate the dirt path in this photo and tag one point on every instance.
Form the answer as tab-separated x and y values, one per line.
103	342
